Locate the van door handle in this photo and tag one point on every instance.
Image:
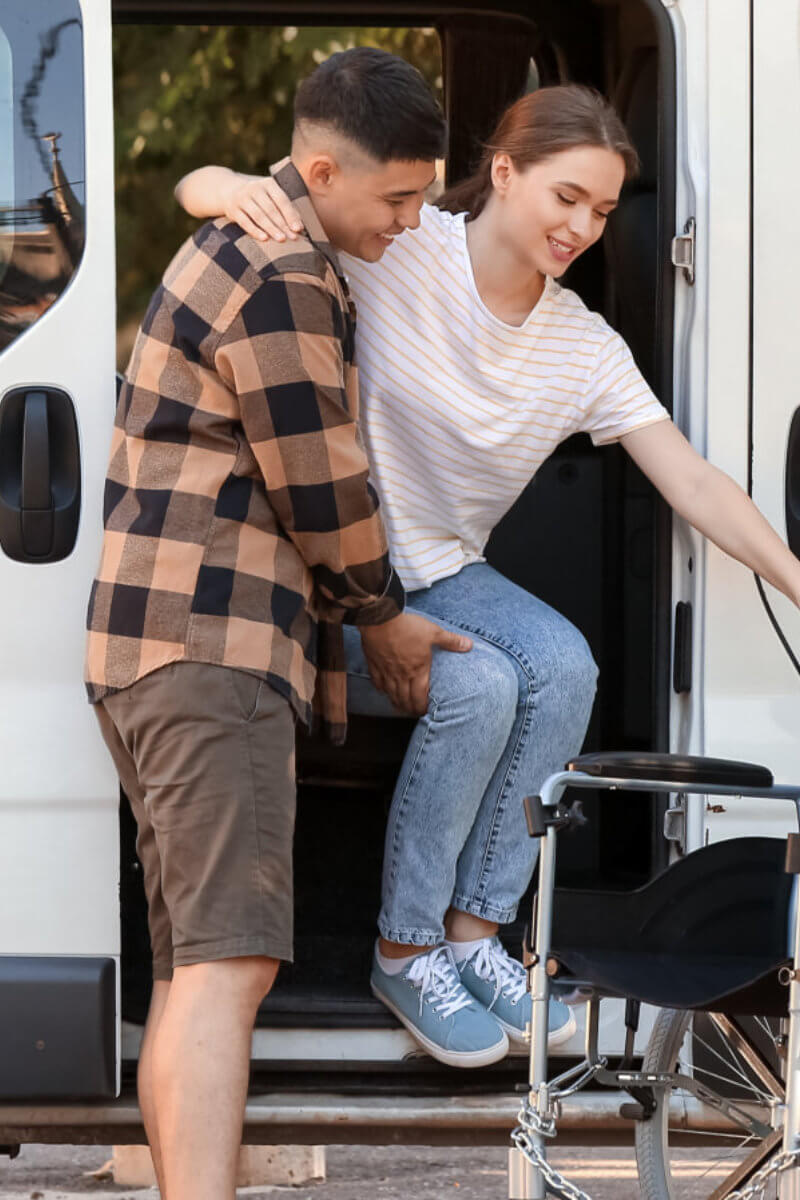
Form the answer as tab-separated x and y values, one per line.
792	485
36	496
40	474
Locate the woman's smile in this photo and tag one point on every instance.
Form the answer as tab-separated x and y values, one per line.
562	252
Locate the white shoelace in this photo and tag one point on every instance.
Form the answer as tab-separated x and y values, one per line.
493	962
437	977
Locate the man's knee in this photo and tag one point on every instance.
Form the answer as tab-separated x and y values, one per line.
247	978
256	974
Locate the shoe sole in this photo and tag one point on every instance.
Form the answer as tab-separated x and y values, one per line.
554	1039
451	1058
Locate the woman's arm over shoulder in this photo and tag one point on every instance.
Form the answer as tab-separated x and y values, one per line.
254	202
711	501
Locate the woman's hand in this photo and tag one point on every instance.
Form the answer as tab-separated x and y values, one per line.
253	201
262	209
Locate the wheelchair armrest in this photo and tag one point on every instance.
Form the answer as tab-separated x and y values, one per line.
673	768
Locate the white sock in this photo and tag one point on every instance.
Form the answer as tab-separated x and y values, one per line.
464	950
393	966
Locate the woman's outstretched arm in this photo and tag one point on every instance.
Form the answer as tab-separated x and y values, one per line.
710	501
253	201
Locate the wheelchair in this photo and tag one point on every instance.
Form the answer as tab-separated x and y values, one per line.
714	943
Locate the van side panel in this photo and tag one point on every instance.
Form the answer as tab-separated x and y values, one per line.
59	857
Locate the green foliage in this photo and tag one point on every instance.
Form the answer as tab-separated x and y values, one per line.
189	95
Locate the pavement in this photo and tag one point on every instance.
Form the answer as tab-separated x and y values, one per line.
357	1173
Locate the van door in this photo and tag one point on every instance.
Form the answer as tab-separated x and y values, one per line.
59	906
752	694
775	379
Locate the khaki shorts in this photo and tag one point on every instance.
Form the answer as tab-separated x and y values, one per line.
205	755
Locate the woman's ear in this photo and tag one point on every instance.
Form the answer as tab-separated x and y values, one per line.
502	172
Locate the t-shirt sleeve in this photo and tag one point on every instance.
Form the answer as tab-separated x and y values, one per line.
618	399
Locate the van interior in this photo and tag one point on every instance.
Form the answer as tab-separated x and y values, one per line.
588	535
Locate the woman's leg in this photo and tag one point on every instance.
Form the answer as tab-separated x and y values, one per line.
556	678
440	788
450	761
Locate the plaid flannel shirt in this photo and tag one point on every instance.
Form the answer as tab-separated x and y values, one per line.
240	527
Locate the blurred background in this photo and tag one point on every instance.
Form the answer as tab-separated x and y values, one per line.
190	95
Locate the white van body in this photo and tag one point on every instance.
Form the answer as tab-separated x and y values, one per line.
736	356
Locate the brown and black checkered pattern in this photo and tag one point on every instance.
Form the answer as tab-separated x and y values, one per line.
240	528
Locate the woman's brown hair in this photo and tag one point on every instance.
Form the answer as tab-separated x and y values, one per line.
537	126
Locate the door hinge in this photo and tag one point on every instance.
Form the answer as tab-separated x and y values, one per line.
675	823
683	250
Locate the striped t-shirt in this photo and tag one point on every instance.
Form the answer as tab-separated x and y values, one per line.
459	409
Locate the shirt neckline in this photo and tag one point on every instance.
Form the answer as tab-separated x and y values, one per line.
289	179
461	230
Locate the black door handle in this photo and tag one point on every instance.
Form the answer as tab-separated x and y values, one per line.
40	484
792	485
36	496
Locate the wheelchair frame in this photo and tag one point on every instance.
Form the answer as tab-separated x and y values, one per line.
530	1175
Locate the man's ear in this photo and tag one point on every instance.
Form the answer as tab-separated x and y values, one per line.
321	173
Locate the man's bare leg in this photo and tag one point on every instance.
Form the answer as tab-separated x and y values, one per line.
199	1070
145	1077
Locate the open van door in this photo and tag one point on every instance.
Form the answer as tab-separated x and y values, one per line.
775	374
59	903
753	632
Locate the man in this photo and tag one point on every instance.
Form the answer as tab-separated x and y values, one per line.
240	530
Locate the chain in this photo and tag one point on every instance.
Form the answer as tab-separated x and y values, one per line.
558	1185
776	1166
555	1183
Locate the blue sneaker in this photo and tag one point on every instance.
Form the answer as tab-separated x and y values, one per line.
500	982
438	1011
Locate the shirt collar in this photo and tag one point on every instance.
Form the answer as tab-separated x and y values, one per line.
289	179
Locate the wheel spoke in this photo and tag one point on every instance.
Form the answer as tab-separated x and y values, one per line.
740	1075
736	1036
696	1072
751	1164
732	1063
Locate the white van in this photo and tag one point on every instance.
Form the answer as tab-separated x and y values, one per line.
695	655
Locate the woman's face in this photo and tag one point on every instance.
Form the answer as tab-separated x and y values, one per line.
554	210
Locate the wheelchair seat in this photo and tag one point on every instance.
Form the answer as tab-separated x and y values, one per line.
710	932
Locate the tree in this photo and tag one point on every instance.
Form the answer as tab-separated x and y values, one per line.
187	95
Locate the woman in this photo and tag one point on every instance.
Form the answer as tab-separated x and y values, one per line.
474	365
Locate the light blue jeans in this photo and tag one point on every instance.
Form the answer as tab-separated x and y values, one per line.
500	719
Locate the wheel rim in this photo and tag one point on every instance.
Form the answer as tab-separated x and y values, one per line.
708	1145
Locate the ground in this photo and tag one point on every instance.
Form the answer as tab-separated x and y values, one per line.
356	1173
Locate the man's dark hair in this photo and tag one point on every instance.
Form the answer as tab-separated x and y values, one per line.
378	101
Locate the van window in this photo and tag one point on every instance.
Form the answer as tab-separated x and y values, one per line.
42	225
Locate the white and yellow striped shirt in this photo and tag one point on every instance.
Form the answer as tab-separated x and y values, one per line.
459	409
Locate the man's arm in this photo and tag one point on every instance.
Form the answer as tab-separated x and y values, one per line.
282	355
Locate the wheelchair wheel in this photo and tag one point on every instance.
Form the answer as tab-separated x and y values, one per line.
706	1146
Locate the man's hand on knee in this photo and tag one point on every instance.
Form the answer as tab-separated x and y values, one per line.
398	655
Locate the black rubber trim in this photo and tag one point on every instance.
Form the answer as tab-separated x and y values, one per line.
673	768
57	1028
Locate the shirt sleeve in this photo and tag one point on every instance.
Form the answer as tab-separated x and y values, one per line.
618	399
283	357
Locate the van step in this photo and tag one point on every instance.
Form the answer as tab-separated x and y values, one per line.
328	1118
325	1118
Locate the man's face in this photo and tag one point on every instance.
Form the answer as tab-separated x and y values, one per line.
364	206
